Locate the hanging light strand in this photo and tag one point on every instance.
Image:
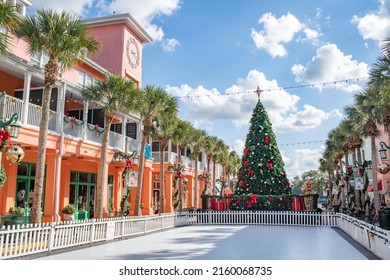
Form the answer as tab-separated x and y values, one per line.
302	143
346	81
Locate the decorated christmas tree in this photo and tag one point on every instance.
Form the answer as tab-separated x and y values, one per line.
262	171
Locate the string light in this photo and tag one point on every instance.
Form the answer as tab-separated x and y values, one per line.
323	84
302	143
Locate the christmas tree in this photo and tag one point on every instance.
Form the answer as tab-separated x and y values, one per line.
262	171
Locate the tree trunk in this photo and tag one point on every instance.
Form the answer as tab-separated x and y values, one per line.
214	180
374	173
196	187
141	165
163	145
101	205
41	156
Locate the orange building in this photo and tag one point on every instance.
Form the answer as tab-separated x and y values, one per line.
75	128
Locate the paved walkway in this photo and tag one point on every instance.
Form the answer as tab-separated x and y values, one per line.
226	243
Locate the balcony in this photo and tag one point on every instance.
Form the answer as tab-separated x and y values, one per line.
75	128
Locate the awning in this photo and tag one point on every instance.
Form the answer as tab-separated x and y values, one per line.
371	188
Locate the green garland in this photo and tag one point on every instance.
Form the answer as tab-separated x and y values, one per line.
69	120
3	176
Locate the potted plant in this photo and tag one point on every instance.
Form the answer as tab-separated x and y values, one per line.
68	212
15	216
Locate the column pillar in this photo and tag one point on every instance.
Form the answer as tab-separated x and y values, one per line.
168	192
26	96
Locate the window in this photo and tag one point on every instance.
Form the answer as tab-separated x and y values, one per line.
85	79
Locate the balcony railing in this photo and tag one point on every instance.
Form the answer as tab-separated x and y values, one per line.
71	129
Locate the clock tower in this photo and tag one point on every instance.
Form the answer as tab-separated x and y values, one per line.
121	38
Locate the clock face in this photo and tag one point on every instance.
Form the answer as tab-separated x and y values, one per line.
133	52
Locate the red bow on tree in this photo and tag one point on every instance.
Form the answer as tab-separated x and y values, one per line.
252	200
246	151
251	172
269	165
246	162
267	139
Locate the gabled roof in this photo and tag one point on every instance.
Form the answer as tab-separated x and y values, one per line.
126	19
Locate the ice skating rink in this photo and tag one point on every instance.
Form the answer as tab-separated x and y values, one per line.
225	243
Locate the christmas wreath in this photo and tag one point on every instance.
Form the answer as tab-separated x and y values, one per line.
3	176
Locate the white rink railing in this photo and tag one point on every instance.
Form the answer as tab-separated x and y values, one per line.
22	240
30	239
286	218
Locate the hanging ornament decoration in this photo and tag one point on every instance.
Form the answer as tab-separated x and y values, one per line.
14	154
383	168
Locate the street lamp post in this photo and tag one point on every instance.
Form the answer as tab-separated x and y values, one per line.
382	150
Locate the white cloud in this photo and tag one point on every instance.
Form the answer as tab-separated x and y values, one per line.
170	45
330	64
145	12
279	31
73	6
201	105
238	147
375	25
301	160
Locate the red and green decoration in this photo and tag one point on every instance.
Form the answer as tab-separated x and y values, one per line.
262	171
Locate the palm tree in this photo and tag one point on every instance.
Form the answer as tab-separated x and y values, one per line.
368	113
155	102
10	19
117	94
219	149
380	80
233	165
182	137
164	128
64	38
198	138
210	146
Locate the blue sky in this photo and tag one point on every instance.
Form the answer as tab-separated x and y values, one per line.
213	54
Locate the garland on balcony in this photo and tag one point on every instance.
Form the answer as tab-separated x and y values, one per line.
73	121
96	128
3	176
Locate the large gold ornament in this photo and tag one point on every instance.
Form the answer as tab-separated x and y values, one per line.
383	168
14	154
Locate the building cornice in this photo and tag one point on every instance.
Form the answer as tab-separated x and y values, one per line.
126	19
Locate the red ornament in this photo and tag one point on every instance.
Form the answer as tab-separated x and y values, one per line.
246	151
246	162
267	139
269	165
251	172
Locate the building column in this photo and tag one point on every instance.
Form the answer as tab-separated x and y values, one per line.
124	143
48	208
26	97
168	192
85	119
190	192
147	191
